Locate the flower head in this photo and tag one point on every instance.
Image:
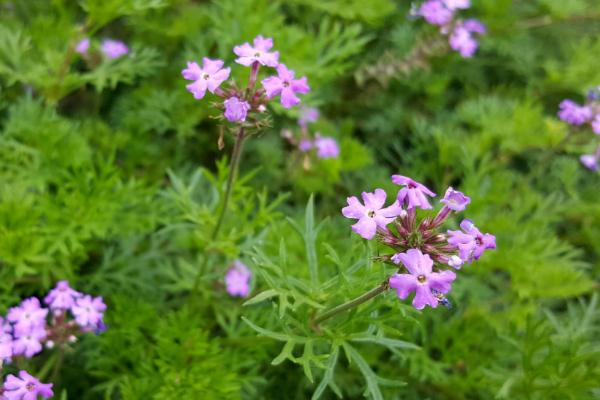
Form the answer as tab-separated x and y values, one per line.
435	12
26	387
573	113
305	145
590	161
471	243
420	279
237	279
455	200
89	312
29	343
236	110
62	297
248	55
308	115
210	76
114	48
327	147
83	46
475	26
286	85
371	215
413	193
27	316
463	41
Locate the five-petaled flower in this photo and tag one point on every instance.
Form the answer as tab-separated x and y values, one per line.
455	200
259	53
285	85
25	387
236	110
88	312
371	215
210	76
62	297
237	279
413	194
470	242
327	147
421	279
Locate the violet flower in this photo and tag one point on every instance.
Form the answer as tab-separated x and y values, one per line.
596	124
455	200
420	279
237	280
29	343
371	215
210	76
27	316
435	12
88	312
113	48
308	115
83	46
327	147
471	243
413	194
62	297
305	145
25	387
573	113
248	55
236	110
6	341
590	161
285	85
457	4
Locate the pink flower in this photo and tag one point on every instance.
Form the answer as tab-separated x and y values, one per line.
30	343
83	46
305	145
371	215
573	113
237	280
62	297
88	312
248	55
420	279
435	12
462	41
327	147
413	194
27	316
457	4
236	110
471	243
210	76
455	200
590	161
26	387
286	85
114	48
308	115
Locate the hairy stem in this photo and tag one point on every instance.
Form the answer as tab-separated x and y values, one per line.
352	303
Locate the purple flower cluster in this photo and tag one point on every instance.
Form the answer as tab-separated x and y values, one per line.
580	115
239	102
461	34
418	244
324	146
237	279
110	48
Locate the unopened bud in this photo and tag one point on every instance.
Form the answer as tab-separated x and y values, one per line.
49	344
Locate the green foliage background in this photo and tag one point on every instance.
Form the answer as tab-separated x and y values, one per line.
111	177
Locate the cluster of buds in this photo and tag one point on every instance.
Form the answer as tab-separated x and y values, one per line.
461	33
309	144
110	48
29	326
585	115
419	244
246	105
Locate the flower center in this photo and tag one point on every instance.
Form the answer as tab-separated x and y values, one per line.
478	241
370	213
30	386
286	84
205	76
421	278
257	54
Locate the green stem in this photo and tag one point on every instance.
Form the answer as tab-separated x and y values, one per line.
352	303
58	364
233	166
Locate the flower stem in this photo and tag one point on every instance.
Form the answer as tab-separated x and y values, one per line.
233	167
352	303
58	364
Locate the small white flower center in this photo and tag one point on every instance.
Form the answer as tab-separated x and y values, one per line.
205	76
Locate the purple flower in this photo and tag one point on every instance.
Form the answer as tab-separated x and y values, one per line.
371	215
308	115
237	280
26	387
236	109
62	297
286	85
83	46
455	200
27	316
88	312
457	4
210	76
475	26
573	113
462	41
413	193
6	341
590	161
596	124
420	279
471	243
248	55
435	12
113	48
305	145
327	147
30	343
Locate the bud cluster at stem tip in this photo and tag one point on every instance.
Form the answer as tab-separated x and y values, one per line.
419	244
